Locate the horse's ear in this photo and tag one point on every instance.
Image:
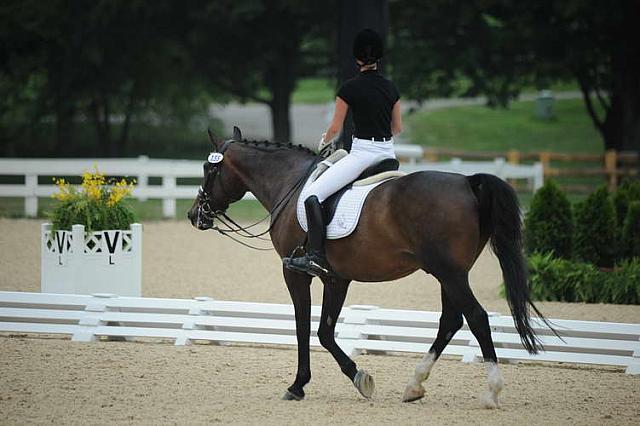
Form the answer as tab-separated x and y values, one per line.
213	139
237	134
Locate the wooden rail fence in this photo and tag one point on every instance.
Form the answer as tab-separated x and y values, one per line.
610	166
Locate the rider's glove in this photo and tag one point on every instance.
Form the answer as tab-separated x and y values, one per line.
322	142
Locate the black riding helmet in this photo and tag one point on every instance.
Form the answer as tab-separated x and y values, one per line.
367	46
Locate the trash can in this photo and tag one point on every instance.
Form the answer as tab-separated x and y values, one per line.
544	105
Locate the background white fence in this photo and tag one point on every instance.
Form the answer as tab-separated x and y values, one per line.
360	328
169	171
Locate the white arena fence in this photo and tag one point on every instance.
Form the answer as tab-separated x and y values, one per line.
169	171
360	328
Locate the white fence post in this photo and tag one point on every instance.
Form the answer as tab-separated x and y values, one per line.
31	199
538	176
499	164
143	177
169	202
350	331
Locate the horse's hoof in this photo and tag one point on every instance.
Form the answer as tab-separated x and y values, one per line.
413	393
364	383
288	396
490	401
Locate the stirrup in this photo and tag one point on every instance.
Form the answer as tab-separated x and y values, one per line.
309	266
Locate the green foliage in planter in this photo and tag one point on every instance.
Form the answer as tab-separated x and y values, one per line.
549	222
98	205
553	279
595	236
630	240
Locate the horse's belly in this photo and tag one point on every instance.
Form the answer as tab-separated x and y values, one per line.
372	266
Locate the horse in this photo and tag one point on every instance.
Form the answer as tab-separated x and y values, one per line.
434	221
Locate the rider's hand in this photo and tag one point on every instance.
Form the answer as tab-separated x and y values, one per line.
322	142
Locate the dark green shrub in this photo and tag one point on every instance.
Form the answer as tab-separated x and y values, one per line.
628	192
549	222
595	236
553	279
630	240
623	284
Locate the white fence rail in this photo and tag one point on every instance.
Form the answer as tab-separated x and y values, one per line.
360	328
142	168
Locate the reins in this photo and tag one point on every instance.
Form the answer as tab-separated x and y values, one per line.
232	227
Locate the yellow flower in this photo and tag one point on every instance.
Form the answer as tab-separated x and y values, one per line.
65	191
92	184
119	190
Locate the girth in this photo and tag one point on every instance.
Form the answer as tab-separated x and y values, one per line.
330	204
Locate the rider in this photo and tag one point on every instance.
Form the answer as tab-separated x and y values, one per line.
375	106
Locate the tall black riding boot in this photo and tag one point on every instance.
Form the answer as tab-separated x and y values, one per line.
314	262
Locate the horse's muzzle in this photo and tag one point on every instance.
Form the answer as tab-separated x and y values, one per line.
199	220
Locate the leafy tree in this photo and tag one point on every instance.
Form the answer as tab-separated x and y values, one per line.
495	47
257	49
102	61
549	222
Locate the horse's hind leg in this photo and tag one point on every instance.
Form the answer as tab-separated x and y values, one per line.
457	287
450	322
335	291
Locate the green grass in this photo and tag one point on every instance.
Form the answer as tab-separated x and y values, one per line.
478	128
314	91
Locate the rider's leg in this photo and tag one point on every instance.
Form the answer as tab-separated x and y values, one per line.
314	261
336	177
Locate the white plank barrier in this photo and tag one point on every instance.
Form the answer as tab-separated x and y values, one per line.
360	328
142	168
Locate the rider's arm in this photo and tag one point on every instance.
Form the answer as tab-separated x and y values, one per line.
339	114
396	119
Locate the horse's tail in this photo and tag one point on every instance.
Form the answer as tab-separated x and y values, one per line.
500	217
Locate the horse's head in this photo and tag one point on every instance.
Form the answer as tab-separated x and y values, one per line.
221	185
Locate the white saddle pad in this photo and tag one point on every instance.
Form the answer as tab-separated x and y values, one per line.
347	214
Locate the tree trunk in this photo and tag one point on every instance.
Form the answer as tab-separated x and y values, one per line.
64	127
280	122
124	132
99	110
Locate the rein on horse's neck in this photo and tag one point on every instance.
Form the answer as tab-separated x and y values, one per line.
270	171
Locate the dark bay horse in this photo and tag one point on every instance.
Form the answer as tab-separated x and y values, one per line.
434	221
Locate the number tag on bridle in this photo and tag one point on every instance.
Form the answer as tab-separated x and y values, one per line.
215	157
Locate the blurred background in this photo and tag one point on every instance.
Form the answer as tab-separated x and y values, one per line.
550	82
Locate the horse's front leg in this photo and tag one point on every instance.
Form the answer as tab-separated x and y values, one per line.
335	291
299	289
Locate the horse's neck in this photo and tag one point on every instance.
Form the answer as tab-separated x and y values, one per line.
271	175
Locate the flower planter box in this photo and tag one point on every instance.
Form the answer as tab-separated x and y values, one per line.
80	262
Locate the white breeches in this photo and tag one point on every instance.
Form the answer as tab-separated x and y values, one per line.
364	153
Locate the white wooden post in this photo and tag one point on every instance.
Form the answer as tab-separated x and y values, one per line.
169	202
31	199
190	324
350	331
456	164
538	176
87	325
499	165
143	177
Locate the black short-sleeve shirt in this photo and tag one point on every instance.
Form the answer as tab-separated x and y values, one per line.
370	97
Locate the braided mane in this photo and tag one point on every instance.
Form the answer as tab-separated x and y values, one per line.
264	144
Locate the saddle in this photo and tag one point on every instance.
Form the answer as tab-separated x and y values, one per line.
383	170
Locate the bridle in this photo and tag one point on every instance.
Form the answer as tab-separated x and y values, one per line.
230	227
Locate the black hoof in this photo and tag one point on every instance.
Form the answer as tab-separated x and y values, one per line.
288	396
